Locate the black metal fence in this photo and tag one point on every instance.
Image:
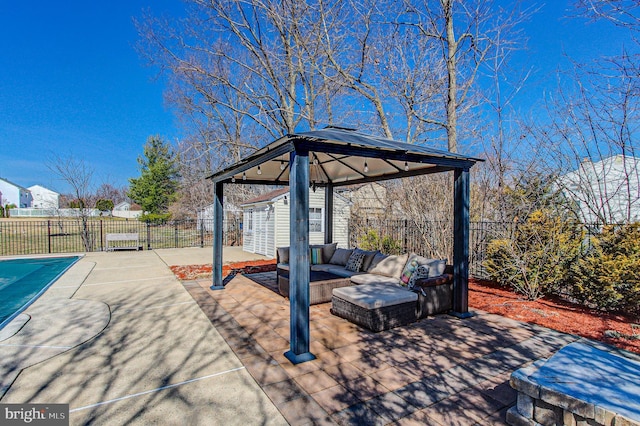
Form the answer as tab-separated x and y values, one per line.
19	237
432	239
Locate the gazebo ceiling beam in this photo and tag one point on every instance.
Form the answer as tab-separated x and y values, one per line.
227	174
399	175
384	154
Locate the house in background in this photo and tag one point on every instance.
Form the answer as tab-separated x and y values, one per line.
606	191
44	198
126	210
266	221
370	200
14	194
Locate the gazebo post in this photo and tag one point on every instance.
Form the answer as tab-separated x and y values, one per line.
328	214
299	258
218	220
461	243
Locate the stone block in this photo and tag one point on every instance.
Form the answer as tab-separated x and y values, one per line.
568	418
521	382
547	414
514	418
567	402
525	405
619	420
604	417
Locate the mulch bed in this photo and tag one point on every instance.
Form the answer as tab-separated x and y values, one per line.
556	314
487	296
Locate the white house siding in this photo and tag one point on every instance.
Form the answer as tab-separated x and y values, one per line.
44	198
277	225
14	194
606	190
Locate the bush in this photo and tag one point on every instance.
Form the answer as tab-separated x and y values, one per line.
608	276
536	260
155	218
386	244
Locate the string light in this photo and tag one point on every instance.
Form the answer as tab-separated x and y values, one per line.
366	167
259	170
406	166
244	176
315	160
233	179
282	166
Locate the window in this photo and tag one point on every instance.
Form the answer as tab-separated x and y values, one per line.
249	220
315	219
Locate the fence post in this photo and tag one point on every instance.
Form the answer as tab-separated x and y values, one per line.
175	233
201	233
148	235
101	236
49	236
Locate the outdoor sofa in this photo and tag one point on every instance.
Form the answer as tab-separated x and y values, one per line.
383	291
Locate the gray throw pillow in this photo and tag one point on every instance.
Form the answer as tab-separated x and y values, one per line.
392	266
340	257
283	254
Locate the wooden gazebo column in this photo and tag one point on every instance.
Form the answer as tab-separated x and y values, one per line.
218	221
461	196
299	257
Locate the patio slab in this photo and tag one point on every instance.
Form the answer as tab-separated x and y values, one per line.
154	359
439	371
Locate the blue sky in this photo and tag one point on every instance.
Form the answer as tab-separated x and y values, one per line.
72	83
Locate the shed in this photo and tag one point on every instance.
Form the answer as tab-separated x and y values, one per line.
266	221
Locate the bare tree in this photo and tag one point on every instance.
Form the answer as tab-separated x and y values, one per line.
78	176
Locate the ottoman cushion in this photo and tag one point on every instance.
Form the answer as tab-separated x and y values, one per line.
376	295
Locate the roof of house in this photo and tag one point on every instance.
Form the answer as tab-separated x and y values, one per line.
15	184
268	196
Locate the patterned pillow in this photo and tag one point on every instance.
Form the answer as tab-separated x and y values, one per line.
421	271
316	256
355	261
409	269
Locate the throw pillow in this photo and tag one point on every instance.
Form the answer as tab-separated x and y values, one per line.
340	257
436	266
410	268
283	254
391	266
327	251
355	261
368	258
379	257
316	256
421	271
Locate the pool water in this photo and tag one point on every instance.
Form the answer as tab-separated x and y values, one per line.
22	281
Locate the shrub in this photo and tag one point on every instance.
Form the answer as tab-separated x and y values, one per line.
386	244
536	260
608	276
155	218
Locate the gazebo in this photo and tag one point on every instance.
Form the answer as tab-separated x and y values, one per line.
329	158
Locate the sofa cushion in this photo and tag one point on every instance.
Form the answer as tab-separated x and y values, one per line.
373	296
373	278
342	272
376	259
327	250
324	267
283	254
284	266
355	261
340	256
391	266
436	266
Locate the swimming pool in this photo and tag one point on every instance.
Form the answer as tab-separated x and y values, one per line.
22	281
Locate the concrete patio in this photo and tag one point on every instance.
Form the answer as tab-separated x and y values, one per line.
123	341
438	371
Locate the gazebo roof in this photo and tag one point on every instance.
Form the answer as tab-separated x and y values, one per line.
341	156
